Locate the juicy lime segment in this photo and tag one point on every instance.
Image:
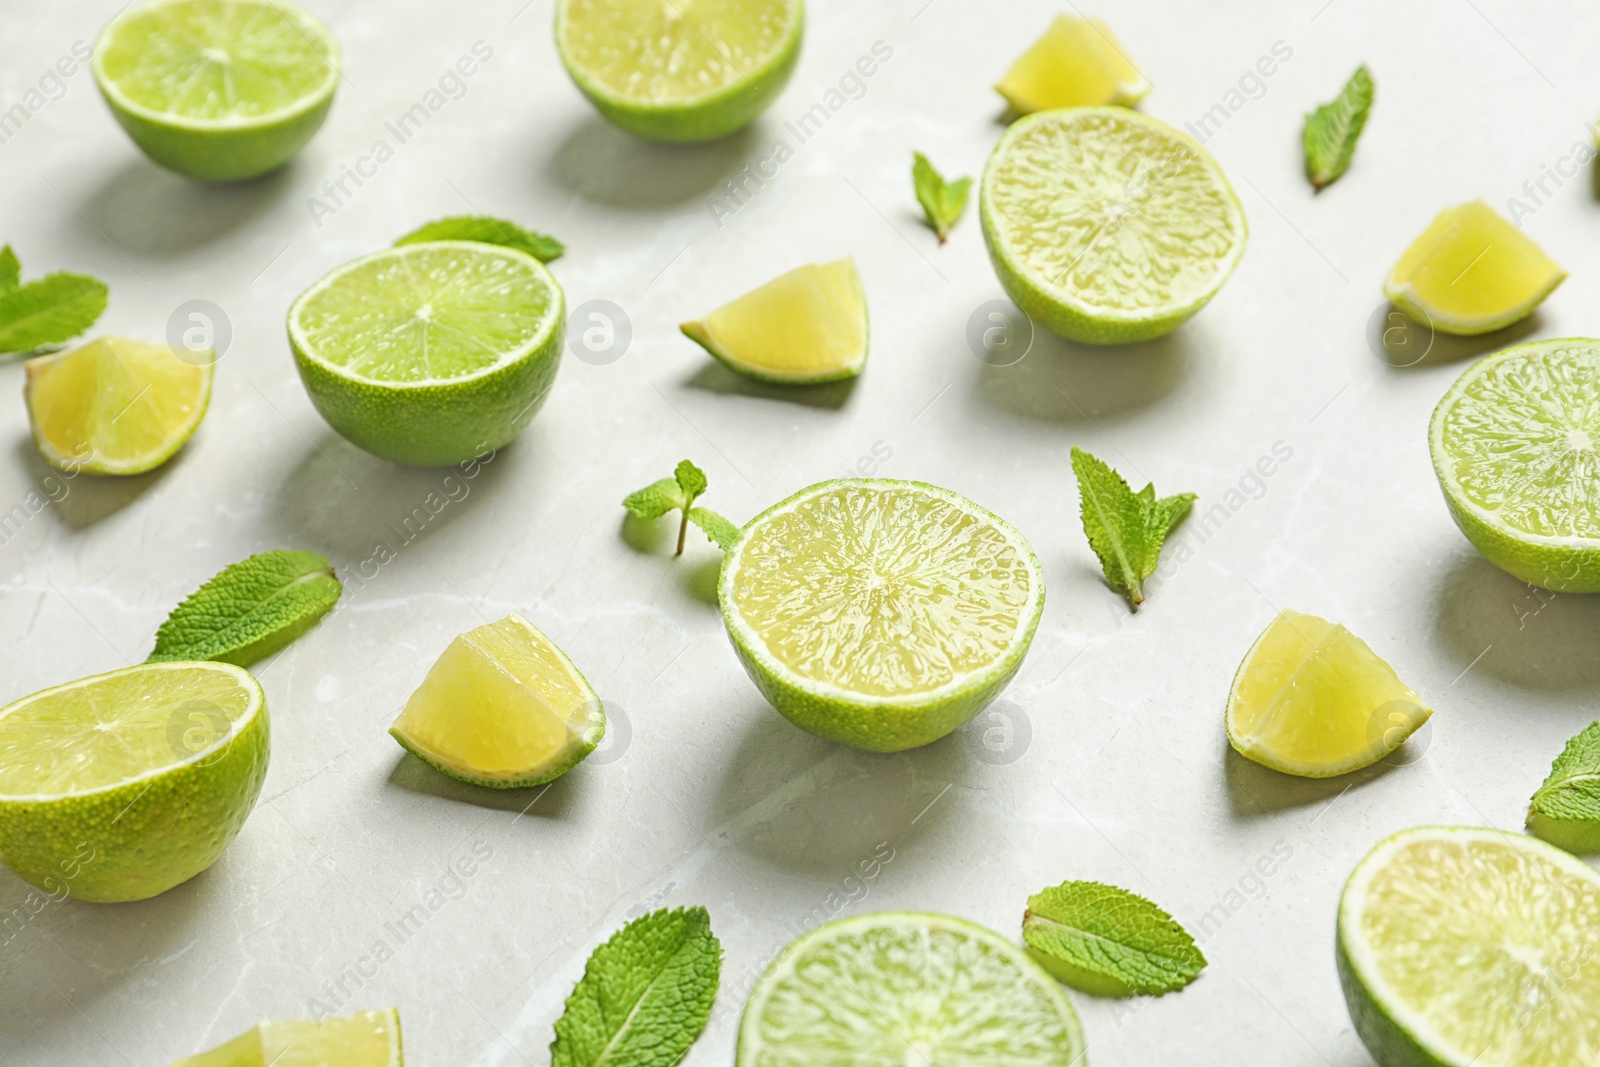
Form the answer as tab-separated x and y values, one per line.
807	326
880	614
1312	699
502	707
1108	226
365	1039
115	406
1514	447
1463	946
1077	63
1471	272
899	988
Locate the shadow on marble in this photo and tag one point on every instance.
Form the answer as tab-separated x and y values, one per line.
1396	337
1491	623
713	377
1062	381
82	500
554	800
601	163
1254	790
144	210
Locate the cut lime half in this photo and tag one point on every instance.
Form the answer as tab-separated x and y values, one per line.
804	327
365	1039
218	89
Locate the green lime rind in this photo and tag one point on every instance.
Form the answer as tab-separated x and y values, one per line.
1560	564
705	118
588	741
875	724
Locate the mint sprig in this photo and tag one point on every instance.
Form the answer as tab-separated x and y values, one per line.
942	201
45	311
1125	529
1333	129
1109	942
1566	809
679	493
250	609
490	231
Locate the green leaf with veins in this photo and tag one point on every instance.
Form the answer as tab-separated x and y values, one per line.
942	202
10	269
250	609
489	231
679	493
1333	129
1109	942
1566	809
48	310
1125	529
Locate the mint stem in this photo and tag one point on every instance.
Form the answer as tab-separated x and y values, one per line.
683	529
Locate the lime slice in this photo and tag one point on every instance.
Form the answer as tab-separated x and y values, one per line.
430	354
1471	272
218	89
903	989
365	1039
121	786
1466	946
1514	446
1108	226
680	70
1312	699
115	406
502	707
807	326
1077	63
880	614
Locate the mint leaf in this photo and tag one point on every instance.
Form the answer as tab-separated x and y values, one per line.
1332	130
691	479
489	231
1125	529
645	994
250	610
1566	809
655	499
49	310
942	201
720	530
679	493
1109	942
10	269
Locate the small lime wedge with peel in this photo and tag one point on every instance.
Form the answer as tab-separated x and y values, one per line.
897	989
1077	63
1106	226
1471	272
365	1039
880	614
218	90
120	786
1312	699
430	354
115	406
1470	947
502	707
680	70
1514	445
805	327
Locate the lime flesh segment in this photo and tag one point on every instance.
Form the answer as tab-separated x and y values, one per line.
218	89
1471	272
430	354
1514	447
1077	63
115	406
899	988
365	1039
809	325
502	707
1107	226
1463	946
122	785
880	614
680	70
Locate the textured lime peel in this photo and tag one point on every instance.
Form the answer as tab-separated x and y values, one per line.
801	328
250	610
365	1039
1466	947
1109	942
880	614
1077	63
1566	809
1514	447
905	989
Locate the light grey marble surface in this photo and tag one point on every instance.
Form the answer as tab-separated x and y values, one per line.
1118	770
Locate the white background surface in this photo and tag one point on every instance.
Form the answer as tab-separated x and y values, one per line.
1126	776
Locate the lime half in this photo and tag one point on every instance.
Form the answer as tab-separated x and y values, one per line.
1468	946
430	354
1107	226
365	1039
880	614
1514	446
904	989
120	786
680	70
806	326
218	89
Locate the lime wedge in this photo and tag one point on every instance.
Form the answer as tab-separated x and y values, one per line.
1077	63
502	707
680	70
1107	226
365	1039
218	89
1514	446
1467	946
903	989
880	614
807	326
430	354
114	406
1471	272
120	786
1312	699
